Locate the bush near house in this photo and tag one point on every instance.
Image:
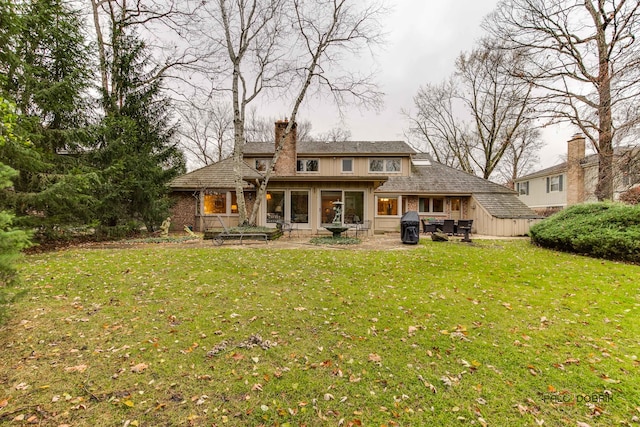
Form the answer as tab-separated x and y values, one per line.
602	230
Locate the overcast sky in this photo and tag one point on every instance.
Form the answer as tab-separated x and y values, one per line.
424	38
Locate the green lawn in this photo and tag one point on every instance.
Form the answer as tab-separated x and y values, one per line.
497	333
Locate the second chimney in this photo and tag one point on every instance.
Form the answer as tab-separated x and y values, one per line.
575	172
286	165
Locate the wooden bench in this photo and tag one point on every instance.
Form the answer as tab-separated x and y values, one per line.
228	235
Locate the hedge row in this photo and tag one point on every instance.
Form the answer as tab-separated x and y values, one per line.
602	230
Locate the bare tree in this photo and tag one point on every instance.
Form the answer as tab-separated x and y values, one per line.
287	47
260	129
586	58
521	155
499	103
439	125
206	131
161	21
335	135
471	121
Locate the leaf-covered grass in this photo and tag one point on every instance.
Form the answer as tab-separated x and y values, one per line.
330	240
499	333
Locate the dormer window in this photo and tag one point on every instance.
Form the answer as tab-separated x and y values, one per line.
262	164
307	165
384	165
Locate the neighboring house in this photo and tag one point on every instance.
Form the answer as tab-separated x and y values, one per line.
574	181
375	181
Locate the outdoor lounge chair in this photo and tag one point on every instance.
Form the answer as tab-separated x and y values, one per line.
228	235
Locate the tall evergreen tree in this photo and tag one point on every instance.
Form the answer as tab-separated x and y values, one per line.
136	150
44	69
12	240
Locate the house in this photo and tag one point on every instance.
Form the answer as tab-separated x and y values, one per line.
375	181
574	181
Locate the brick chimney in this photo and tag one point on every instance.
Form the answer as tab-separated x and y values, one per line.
286	164
575	172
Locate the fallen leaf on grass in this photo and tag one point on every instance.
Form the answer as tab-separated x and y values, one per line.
373	357
139	368
78	368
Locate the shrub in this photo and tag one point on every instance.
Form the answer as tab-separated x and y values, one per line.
602	230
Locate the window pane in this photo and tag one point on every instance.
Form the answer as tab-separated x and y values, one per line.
275	206
423	204
234	203
300	166
262	164
326	200
300	207
438	205
312	166
347	165
376	165
387	206
393	165
353	207
215	204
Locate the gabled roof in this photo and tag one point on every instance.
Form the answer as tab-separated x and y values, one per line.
306	148
216	175
552	170
502	205
436	178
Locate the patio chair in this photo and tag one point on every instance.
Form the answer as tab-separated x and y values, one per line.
428	227
462	224
449	226
363	227
287	227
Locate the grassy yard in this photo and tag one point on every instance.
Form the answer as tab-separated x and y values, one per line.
497	333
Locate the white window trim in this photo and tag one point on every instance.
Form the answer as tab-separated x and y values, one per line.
431	211
342	164
305	160
389	196
384	165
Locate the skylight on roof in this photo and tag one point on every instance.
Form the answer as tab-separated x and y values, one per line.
421	162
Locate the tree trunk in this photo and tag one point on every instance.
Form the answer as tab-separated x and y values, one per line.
604	188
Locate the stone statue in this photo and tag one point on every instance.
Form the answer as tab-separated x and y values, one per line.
164	228
337	219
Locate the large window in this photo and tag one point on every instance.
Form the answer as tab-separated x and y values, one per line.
554	183
431	204
326	205
353	207
307	165
215	203
387	206
300	207
275	206
384	165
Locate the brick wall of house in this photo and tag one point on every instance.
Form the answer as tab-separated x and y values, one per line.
286	164
183	211
575	172
412	203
